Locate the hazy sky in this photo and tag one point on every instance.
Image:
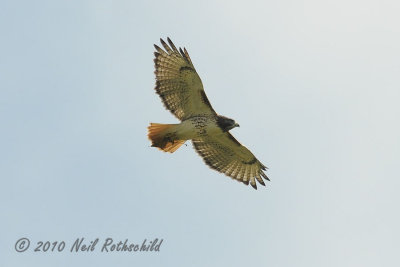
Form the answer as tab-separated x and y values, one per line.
314	85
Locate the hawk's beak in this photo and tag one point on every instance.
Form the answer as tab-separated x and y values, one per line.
237	125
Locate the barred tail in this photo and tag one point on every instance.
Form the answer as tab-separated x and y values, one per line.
163	137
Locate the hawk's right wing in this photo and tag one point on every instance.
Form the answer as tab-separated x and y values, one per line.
178	84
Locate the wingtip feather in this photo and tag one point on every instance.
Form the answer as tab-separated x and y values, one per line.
254	186
265	176
172	44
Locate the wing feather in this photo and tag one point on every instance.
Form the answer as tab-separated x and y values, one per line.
226	155
178	84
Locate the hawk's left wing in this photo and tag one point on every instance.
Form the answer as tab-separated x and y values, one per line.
225	154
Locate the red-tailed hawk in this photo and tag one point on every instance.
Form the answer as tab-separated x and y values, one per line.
181	90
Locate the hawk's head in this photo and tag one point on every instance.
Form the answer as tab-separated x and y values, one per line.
225	123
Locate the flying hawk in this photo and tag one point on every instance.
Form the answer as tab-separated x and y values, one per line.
181	90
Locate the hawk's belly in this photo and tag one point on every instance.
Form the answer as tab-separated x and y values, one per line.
198	126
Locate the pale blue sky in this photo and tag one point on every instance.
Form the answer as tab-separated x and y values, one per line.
314	85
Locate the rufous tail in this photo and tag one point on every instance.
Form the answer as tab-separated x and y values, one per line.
164	137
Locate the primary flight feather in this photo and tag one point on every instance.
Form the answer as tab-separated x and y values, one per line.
181	90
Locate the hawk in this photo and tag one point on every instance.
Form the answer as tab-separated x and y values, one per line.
181	91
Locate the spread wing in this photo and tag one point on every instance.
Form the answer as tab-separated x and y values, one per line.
178	84
225	154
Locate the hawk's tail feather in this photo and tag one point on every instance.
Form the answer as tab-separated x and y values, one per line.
163	137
